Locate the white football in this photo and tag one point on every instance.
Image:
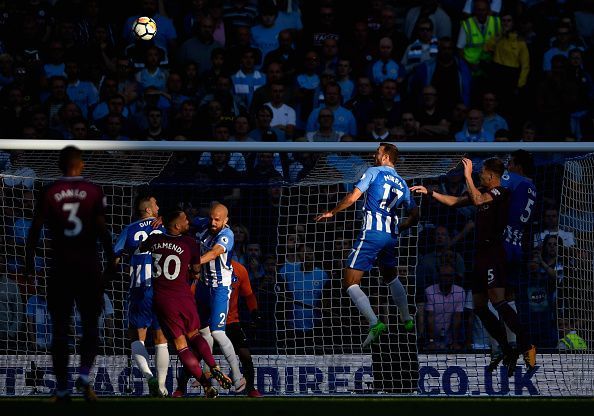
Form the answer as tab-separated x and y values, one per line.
144	28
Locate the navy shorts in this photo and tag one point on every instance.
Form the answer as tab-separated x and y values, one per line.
140	309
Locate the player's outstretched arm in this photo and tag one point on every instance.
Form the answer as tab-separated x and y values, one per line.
215	252
346	202
411	220
448	200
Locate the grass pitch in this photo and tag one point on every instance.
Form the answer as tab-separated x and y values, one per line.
307	406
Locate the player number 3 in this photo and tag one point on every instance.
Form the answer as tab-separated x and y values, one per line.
157	270
72	209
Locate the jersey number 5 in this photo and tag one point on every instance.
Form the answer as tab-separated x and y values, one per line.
72	209
386	196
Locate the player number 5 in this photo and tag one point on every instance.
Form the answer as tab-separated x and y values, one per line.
72	209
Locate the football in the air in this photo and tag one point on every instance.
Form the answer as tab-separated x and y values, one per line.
144	28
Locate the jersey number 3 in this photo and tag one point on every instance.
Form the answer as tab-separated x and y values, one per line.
76	224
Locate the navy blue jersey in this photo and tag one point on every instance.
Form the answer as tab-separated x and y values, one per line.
521	204
140	262
385	192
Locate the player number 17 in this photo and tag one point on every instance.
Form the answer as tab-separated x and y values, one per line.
386	195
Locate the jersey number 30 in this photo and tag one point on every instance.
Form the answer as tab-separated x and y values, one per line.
158	271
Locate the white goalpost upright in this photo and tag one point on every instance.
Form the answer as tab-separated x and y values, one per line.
312	341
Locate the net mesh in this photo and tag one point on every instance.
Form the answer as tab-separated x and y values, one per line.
310	342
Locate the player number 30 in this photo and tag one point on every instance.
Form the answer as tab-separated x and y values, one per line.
158	271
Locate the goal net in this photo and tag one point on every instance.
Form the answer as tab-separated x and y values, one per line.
310	340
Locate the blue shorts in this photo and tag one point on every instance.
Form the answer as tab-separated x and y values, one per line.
515	259
140	309
213	305
370	246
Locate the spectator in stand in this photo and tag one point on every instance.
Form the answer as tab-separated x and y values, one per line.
166	37
56	99
82	93
108	88
155	130
65	115
215	11
11	313
283	116
386	66
284	54
152	75
289	15
243	41
388	102
585	84
343	78
429	263
219	171
247	80
492	121
239	13
550	226
433	124
329	56
325	131
264	132
423	48
218	68
362	104
307	83
236	159
223	94
359	48
390	28
198	10
545	275
175	90
325	27
79	129
448	73
304	283
562	46
254	261
429	9
476	33
113	128
379	131
263	169
54	66
494	6
409	127
115	104
265	34
344	120
556	97
242	237
198	49
241	130
275	73
444	307
192	83
40	122
474	131
511	64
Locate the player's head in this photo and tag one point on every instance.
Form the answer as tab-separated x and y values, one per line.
521	162
176	222
219	216
492	171
386	154
146	206
71	162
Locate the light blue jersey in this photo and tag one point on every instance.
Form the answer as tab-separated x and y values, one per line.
140	262
385	193
217	272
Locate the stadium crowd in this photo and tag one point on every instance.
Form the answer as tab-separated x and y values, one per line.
274	71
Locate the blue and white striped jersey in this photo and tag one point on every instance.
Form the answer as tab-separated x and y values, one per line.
140	262
217	272
521	205
385	192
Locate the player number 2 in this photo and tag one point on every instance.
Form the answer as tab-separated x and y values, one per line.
222	321
157	271
72	209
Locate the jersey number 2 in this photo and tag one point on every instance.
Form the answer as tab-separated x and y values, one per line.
72	209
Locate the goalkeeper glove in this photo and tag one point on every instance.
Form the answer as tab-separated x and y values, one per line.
256	319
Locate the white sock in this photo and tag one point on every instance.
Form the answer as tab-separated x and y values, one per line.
511	336
229	353
400	299
162	364
361	301
206	334
141	358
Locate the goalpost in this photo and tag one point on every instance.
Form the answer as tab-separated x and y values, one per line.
311	341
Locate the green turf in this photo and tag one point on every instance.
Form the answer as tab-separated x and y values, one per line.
358	406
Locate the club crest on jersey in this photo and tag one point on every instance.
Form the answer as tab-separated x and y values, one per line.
224	240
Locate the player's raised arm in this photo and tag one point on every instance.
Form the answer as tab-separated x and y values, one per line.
475	196
212	254
448	200
346	202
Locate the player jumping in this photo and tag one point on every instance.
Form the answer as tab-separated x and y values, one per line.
385	193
